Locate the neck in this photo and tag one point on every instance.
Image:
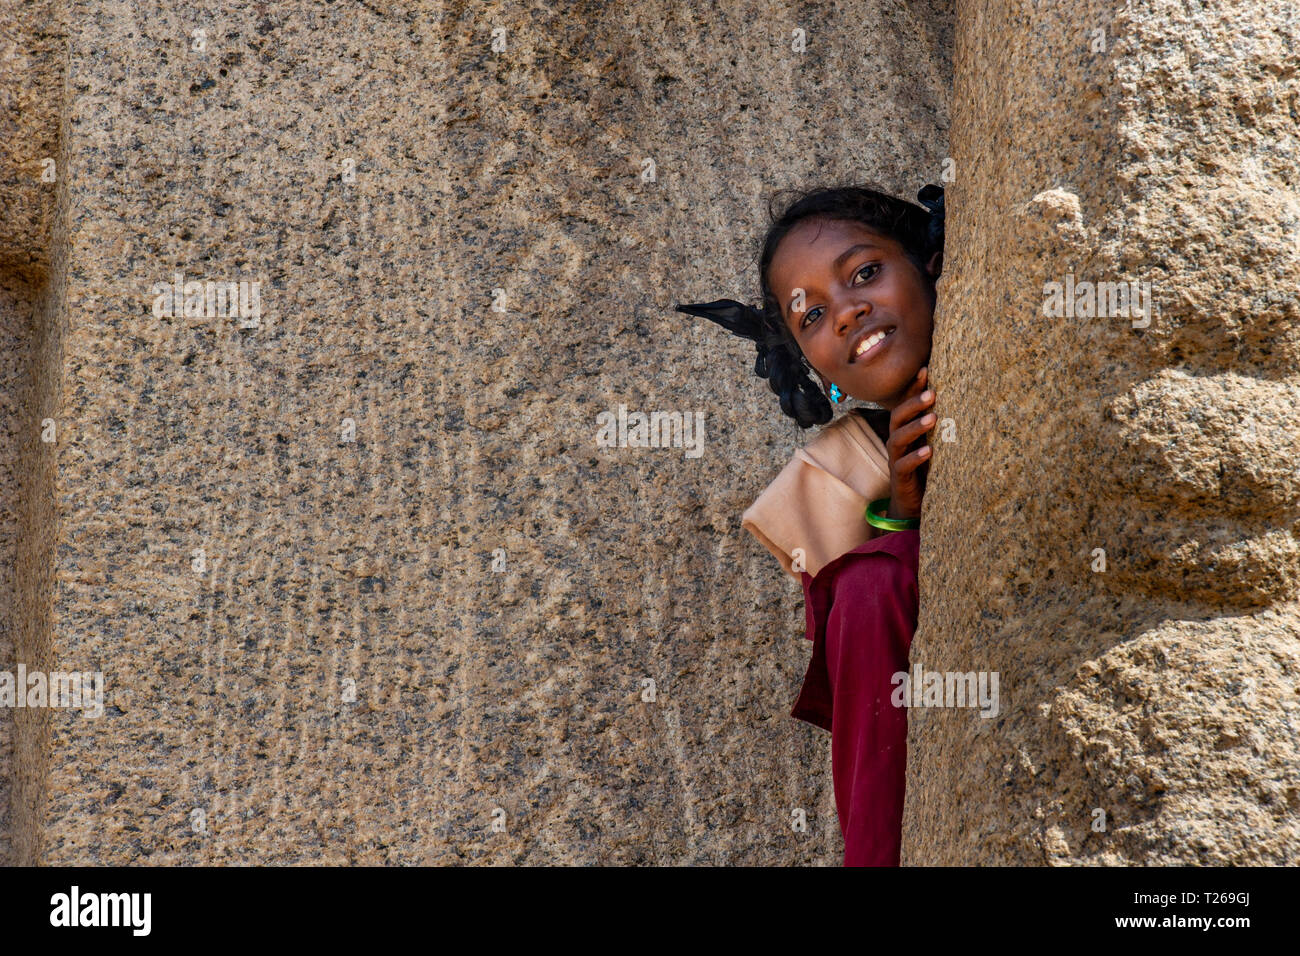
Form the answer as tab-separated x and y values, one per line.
878	419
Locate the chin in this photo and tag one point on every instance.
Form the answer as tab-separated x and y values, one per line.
887	389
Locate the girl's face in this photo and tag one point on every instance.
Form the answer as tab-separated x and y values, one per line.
857	285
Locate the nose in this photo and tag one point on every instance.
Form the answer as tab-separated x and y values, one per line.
850	314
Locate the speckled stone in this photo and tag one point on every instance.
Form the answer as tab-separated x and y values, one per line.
33	46
362	584
1150	711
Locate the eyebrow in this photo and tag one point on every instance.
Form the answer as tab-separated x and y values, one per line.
842	258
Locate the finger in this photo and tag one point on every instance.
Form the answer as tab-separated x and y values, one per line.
917	385
902	438
909	408
905	466
909	431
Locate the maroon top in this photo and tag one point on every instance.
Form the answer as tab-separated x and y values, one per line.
861	612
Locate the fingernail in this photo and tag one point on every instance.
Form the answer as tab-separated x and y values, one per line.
927	395
927	420
924	452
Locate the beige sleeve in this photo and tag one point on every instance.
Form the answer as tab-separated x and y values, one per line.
812	512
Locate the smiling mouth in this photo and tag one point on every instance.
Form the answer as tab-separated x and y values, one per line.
871	343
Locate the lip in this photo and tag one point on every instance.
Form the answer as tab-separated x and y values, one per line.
866	334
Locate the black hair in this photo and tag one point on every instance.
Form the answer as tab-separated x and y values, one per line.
919	230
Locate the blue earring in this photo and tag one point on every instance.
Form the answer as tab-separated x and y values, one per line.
836	395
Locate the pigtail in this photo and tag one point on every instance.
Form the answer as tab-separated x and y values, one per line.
787	376
931	197
778	360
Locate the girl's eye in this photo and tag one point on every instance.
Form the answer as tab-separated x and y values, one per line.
809	316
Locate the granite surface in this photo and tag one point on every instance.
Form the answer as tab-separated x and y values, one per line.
1124	488
33	49
361	583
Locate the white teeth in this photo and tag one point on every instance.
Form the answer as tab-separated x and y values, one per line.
868	342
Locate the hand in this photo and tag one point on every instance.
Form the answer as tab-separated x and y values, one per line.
909	454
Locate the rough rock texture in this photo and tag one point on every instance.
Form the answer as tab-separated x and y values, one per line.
1150	712
33	47
308	653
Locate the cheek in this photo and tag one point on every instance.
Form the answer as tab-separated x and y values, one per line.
822	353
917	304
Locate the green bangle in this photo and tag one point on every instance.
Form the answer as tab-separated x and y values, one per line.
876	518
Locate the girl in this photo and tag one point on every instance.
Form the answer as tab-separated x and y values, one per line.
848	280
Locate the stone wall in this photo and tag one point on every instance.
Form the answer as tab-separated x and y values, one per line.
1125	491
361	584
33	50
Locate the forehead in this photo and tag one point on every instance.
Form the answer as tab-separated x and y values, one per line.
814	244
